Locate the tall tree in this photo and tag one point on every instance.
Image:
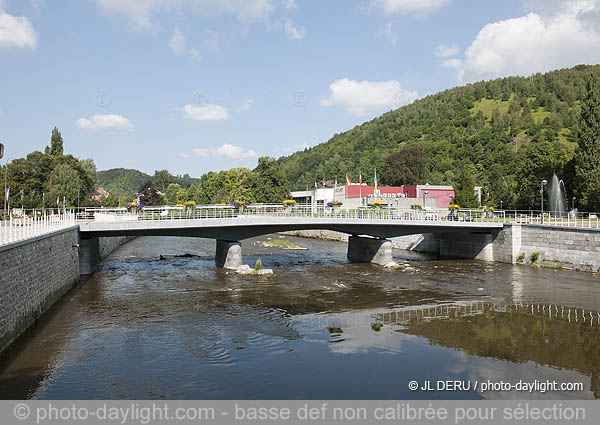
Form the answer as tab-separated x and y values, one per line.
162	179
587	157
171	193
407	166
56	143
464	189
271	183
149	195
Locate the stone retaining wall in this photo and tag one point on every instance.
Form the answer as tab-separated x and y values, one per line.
37	272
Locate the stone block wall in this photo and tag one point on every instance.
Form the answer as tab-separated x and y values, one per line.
577	249
34	274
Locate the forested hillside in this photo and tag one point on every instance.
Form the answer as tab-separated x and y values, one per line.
507	133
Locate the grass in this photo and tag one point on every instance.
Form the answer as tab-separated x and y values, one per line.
282	243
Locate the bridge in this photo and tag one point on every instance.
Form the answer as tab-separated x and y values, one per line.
369	230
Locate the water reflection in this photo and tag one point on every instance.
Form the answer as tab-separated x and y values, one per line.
160	321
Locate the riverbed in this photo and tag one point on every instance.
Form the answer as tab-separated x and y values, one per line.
158	320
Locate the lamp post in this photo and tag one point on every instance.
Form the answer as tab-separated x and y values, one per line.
573	204
424	193
500	205
542	184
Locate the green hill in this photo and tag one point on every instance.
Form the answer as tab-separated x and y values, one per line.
122	182
508	132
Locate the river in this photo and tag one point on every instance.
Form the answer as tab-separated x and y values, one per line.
159	321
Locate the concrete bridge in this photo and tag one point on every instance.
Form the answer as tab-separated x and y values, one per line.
368	242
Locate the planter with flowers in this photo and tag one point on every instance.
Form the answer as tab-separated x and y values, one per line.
489	211
453	212
240	204
289	205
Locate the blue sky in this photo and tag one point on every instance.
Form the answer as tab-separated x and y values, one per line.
200	85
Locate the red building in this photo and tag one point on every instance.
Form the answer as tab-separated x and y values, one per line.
443	195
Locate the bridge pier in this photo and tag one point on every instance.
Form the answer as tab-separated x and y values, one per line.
228	254
370	250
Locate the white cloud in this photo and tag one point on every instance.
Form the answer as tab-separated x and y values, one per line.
567	36
16	32
201	153
109	122
178	45
443	51
234	152
293	32
185	155
206	112
367	97
389	33
452	64
418	7
226	150
141	13
290	4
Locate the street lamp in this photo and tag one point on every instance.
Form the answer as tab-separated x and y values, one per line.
424	193
542	184
573	204
500	205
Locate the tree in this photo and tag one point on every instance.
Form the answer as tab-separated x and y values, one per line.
407	166
463	189
182	196
162	179
587	156
56	143
149	195
271	183
171	193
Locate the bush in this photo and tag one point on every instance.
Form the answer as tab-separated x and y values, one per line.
258	265
521	257
534	256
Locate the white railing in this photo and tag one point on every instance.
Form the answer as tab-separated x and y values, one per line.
23	227
200	212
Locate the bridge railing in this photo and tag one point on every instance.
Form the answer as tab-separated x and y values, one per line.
18	227
573	219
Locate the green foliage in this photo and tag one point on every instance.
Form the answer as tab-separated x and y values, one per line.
271	185
182	196
122	182
56	143
258	265
587	157
171	193
534	257
463	189
45	176
162	179
487	125
521	257
408	166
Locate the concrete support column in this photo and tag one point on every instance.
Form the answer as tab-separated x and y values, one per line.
474	246
228	254
89	255
370	250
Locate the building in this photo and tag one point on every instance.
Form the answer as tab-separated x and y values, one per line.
404	197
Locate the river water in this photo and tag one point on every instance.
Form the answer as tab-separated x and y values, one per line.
176	327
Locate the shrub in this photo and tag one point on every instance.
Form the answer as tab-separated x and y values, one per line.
521	257
534	256
258	265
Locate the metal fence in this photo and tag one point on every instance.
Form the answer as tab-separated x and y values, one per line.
26	226
23	224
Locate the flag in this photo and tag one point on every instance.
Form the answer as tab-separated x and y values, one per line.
375	181
348	182
335	183
316	186
58	201
64	201
7	193
21	191
359	178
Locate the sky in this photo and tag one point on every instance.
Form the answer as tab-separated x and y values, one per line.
204	85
